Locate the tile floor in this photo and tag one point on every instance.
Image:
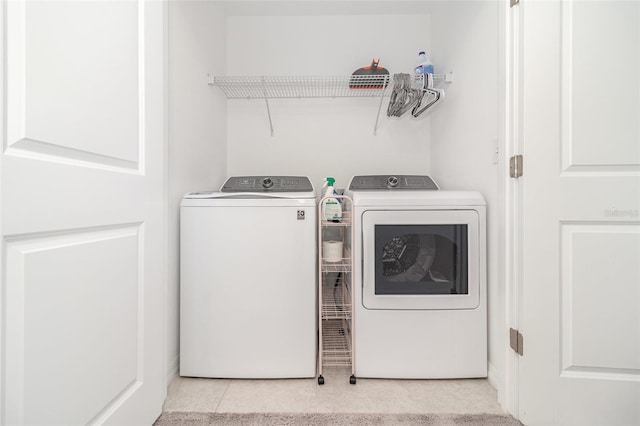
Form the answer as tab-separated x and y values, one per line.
470	396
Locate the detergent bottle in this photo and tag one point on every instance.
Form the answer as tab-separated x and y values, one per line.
331	208
424	66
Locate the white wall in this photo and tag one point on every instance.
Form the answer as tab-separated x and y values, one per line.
465	133
197	126
324	137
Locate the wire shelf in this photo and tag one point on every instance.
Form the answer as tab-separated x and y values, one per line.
344	222
287	87
344	265
336	300
282	87
336	343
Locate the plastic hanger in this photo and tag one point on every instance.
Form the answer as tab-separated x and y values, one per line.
403	96
429	95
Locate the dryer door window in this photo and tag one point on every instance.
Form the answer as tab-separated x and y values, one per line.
422	259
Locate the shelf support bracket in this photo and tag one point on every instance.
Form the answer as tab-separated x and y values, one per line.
266	101
375	126
382	92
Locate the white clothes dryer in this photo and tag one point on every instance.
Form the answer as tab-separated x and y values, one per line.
248	279
420	279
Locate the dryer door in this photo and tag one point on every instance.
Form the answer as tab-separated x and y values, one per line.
422	259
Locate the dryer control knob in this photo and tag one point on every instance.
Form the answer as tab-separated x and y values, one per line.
392	182
267	183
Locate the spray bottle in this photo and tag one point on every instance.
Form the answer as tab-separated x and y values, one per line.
331	208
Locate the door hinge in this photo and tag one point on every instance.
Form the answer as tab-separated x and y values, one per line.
513	2
515	166
516	341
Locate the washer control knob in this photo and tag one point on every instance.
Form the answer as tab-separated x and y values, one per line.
392	182
267	183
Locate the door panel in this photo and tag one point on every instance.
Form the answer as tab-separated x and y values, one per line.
76	80
581	213
63	294
601	114
600	270
82	213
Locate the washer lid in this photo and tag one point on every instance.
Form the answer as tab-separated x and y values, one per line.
392	183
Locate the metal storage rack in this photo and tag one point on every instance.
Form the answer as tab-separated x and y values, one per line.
335	291
287	87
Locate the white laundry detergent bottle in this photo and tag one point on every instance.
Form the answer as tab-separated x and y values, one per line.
331	208
424	66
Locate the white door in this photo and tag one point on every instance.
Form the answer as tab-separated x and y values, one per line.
580	315
82	301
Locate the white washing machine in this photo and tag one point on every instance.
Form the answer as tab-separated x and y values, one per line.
420	279
248	279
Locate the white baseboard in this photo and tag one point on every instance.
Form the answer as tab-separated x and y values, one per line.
172	368
495	379
493	376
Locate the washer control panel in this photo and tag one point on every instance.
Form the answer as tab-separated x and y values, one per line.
392	182
267	184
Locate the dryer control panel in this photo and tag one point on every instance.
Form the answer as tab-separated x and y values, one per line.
267	184
392	182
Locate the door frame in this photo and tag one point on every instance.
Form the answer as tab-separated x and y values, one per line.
510	193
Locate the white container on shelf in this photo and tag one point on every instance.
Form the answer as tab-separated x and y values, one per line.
332	251
424	66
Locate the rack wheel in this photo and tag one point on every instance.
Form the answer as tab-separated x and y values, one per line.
352	379
320	380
